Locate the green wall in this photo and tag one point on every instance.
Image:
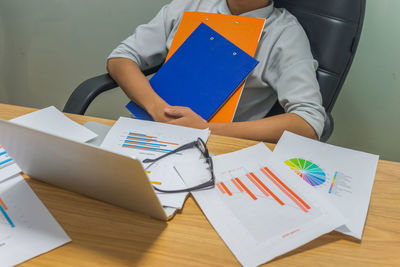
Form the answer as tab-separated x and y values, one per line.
47	47
367	112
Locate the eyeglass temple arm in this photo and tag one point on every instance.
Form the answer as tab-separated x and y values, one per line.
201	186
189	145
210	183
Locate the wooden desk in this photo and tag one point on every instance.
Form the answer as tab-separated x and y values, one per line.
106	235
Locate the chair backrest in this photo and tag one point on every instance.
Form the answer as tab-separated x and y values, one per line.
333	28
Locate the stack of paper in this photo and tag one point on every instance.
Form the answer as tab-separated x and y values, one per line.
49	120
259	207
146	139
8	167
53	121
27	229
342	175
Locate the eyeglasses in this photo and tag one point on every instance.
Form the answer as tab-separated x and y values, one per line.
203	149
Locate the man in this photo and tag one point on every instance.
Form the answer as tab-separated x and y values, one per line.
286	72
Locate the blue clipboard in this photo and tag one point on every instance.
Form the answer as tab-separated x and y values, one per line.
202	74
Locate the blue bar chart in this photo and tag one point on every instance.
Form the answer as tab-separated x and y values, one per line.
5	159
141	141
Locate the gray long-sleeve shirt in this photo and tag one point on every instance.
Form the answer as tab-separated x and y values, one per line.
286	70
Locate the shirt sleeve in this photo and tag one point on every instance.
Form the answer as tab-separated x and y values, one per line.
147	45
291	71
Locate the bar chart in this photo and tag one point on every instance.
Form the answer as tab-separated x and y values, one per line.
237	185
5	159
3	209
8	167
149	139
264	200
27	229
259	206
141	141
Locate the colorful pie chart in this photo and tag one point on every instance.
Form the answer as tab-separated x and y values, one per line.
310	172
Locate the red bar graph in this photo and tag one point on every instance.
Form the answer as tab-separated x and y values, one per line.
226	189
256	184
267	189
220	188
285	189
229	187
237	185
246	189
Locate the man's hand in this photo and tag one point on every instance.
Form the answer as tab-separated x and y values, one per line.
156	111
184	116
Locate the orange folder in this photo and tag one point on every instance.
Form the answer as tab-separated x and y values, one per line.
244	32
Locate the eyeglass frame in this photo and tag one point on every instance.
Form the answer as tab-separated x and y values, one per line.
199	143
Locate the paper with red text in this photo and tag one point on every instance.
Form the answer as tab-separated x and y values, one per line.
260	208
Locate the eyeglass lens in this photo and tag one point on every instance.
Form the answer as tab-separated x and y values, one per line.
203	149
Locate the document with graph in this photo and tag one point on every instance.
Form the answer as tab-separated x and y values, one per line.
8	167
27	229
260	208
342	175
147	139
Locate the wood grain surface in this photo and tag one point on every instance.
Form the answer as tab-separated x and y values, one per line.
105	235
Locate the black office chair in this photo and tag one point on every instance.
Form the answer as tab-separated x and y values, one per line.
333	28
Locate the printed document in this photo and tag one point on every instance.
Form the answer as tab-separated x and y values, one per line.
27	229
147	139
342	175
8	167
259	207
53	121
49	120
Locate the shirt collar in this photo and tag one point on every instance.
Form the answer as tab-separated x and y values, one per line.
261	13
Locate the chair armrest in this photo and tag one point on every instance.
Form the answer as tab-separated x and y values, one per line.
87	91
328	127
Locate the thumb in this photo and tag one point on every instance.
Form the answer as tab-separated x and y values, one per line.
175	111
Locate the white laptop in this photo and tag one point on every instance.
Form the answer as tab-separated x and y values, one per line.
82	168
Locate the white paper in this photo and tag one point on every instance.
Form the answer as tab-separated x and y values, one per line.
170	180
146	139
27	229
258	216
8	167
342	175
53	121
